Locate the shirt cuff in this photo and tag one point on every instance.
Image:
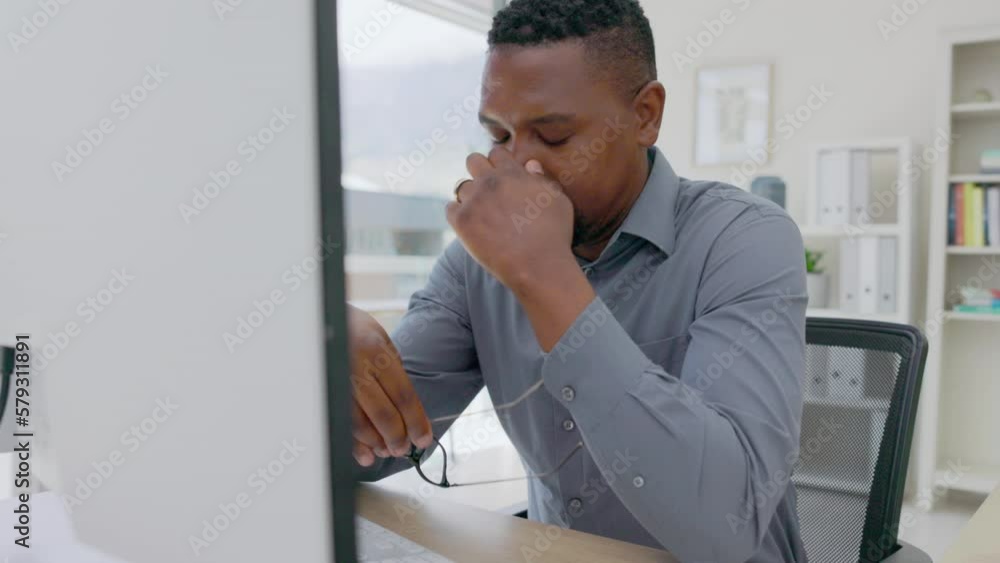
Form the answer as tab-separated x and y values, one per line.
593	366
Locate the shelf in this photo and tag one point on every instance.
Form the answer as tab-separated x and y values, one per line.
838	314
974	250
865	403
976	110
978	317
836	231
975	179
831	483
979	480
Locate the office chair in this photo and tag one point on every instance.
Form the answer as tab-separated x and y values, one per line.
860	402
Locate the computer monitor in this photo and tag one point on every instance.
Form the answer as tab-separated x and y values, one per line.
180	269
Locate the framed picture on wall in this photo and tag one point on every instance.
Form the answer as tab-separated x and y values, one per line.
732	114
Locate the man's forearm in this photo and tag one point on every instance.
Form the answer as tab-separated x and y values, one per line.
553	298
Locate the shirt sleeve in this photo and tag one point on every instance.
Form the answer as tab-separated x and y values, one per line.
434	340
708	451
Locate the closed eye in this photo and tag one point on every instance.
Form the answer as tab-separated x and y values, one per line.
558	143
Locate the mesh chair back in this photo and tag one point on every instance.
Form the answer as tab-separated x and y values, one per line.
860	400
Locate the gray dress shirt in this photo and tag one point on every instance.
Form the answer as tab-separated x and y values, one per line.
683	378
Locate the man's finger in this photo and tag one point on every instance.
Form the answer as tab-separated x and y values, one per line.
502	158
399	389
477	165
363	454
364	431
450	210
384	415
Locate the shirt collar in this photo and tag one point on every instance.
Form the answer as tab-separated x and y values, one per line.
652	215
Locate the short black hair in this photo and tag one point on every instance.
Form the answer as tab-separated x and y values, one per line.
615	33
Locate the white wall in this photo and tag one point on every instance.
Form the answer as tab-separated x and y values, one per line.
882	86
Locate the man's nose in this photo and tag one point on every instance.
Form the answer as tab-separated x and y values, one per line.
521	151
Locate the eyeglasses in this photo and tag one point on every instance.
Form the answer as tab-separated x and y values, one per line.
432	463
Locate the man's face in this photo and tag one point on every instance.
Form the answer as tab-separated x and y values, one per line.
545	103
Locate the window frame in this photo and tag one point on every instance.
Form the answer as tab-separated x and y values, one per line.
455	12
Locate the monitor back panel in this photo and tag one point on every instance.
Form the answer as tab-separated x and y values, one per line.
160	206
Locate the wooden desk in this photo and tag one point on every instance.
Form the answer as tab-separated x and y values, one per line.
979	541
466	534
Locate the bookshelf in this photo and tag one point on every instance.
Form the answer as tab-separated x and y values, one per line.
890	213
974	178
987	110
972	317
958	418
973	250
876	173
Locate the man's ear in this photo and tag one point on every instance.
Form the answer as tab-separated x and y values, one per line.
648	105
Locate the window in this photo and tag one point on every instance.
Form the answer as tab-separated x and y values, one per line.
476	14
410	98
410	81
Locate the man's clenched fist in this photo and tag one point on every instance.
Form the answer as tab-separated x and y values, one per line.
512	219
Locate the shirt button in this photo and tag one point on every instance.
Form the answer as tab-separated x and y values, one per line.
589	272
568	393
638	482
569	425
575	504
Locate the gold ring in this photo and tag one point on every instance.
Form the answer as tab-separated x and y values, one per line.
458	187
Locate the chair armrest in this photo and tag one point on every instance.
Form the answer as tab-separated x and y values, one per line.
908	554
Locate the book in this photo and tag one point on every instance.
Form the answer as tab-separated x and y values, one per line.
972	227
952	216
993	210
978	215
977	310
983	302
959	191
989	162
